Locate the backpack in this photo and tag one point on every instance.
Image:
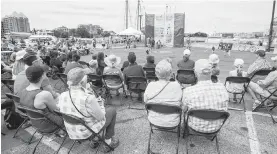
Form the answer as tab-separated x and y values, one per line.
12	119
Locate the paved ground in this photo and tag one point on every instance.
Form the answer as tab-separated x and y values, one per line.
243	133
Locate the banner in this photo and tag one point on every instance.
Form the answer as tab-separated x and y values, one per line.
179	22
149	26
169	30
159	29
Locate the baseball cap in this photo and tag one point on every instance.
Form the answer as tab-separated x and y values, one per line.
261	53
203	66
34	73
214	59
186	52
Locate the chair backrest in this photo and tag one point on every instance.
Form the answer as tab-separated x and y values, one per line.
261	73
236	79
164	109
149	69
13	97
74	120
136	79
94	79
31	112
84	63
111	77
183	74
206	114
9	83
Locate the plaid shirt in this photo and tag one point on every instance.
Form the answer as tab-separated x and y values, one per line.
84	103
205	95
259	64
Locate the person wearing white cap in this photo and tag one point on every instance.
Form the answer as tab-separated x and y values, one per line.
262	87
186	63
236	87
19	64
205	95
214	60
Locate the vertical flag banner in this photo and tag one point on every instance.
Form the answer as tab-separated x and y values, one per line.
149	26
169	30
179	29
159	28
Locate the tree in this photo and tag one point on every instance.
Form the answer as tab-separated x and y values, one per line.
106	34
72	32
82	32
99	30
60	34
199	34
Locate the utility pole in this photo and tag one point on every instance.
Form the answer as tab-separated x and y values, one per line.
271	27
126	11
138	17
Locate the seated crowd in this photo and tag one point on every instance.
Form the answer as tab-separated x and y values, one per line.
36	92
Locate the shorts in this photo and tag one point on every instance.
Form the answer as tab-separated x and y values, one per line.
103	45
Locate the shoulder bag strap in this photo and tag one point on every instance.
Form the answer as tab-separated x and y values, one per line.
74	105
159	91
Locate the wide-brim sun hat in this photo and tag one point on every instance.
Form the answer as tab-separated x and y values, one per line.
203	66
112	60
20	54
75	76
238	62
214	59
93	64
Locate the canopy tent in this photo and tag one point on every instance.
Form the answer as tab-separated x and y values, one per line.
130	31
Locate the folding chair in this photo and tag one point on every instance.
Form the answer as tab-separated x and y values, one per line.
63	78
8	83
77	121
113	77
183	77
97	83
261	73
133	86
238	80
42	117
150	74
16	101
208	115
164	109
84	63
273	98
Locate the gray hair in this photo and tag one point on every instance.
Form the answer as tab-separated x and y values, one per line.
163	70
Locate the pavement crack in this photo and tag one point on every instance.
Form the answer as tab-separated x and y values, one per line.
131	119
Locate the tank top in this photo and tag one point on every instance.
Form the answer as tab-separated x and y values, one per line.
27	99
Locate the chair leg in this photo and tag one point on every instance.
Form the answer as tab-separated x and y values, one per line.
178	137
149	140
37	144
71	146
29	142
61	145
20	127
217	145
187	144
268	110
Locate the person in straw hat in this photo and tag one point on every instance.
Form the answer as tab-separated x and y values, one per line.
19	64
112	63
214	60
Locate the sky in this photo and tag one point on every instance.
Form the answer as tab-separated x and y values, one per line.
200	15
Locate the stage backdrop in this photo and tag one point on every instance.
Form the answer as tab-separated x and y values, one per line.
169	29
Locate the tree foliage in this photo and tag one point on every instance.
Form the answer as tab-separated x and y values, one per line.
60	34
82	32
199	34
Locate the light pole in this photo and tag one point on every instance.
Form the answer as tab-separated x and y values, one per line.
271	27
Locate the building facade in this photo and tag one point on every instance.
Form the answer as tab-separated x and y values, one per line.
16	22
63	28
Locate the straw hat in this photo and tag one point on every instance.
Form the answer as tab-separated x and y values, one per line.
112	60
203	66
214	59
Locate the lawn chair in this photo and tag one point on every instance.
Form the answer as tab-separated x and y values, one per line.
164	109
77	121
205	115
84	63
42	117
238	80
8	83
273	98
186	77
113	77
16	101
150	74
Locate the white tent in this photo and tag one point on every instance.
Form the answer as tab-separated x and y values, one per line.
130	31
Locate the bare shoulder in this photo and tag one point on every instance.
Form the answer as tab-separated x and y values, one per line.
44	94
